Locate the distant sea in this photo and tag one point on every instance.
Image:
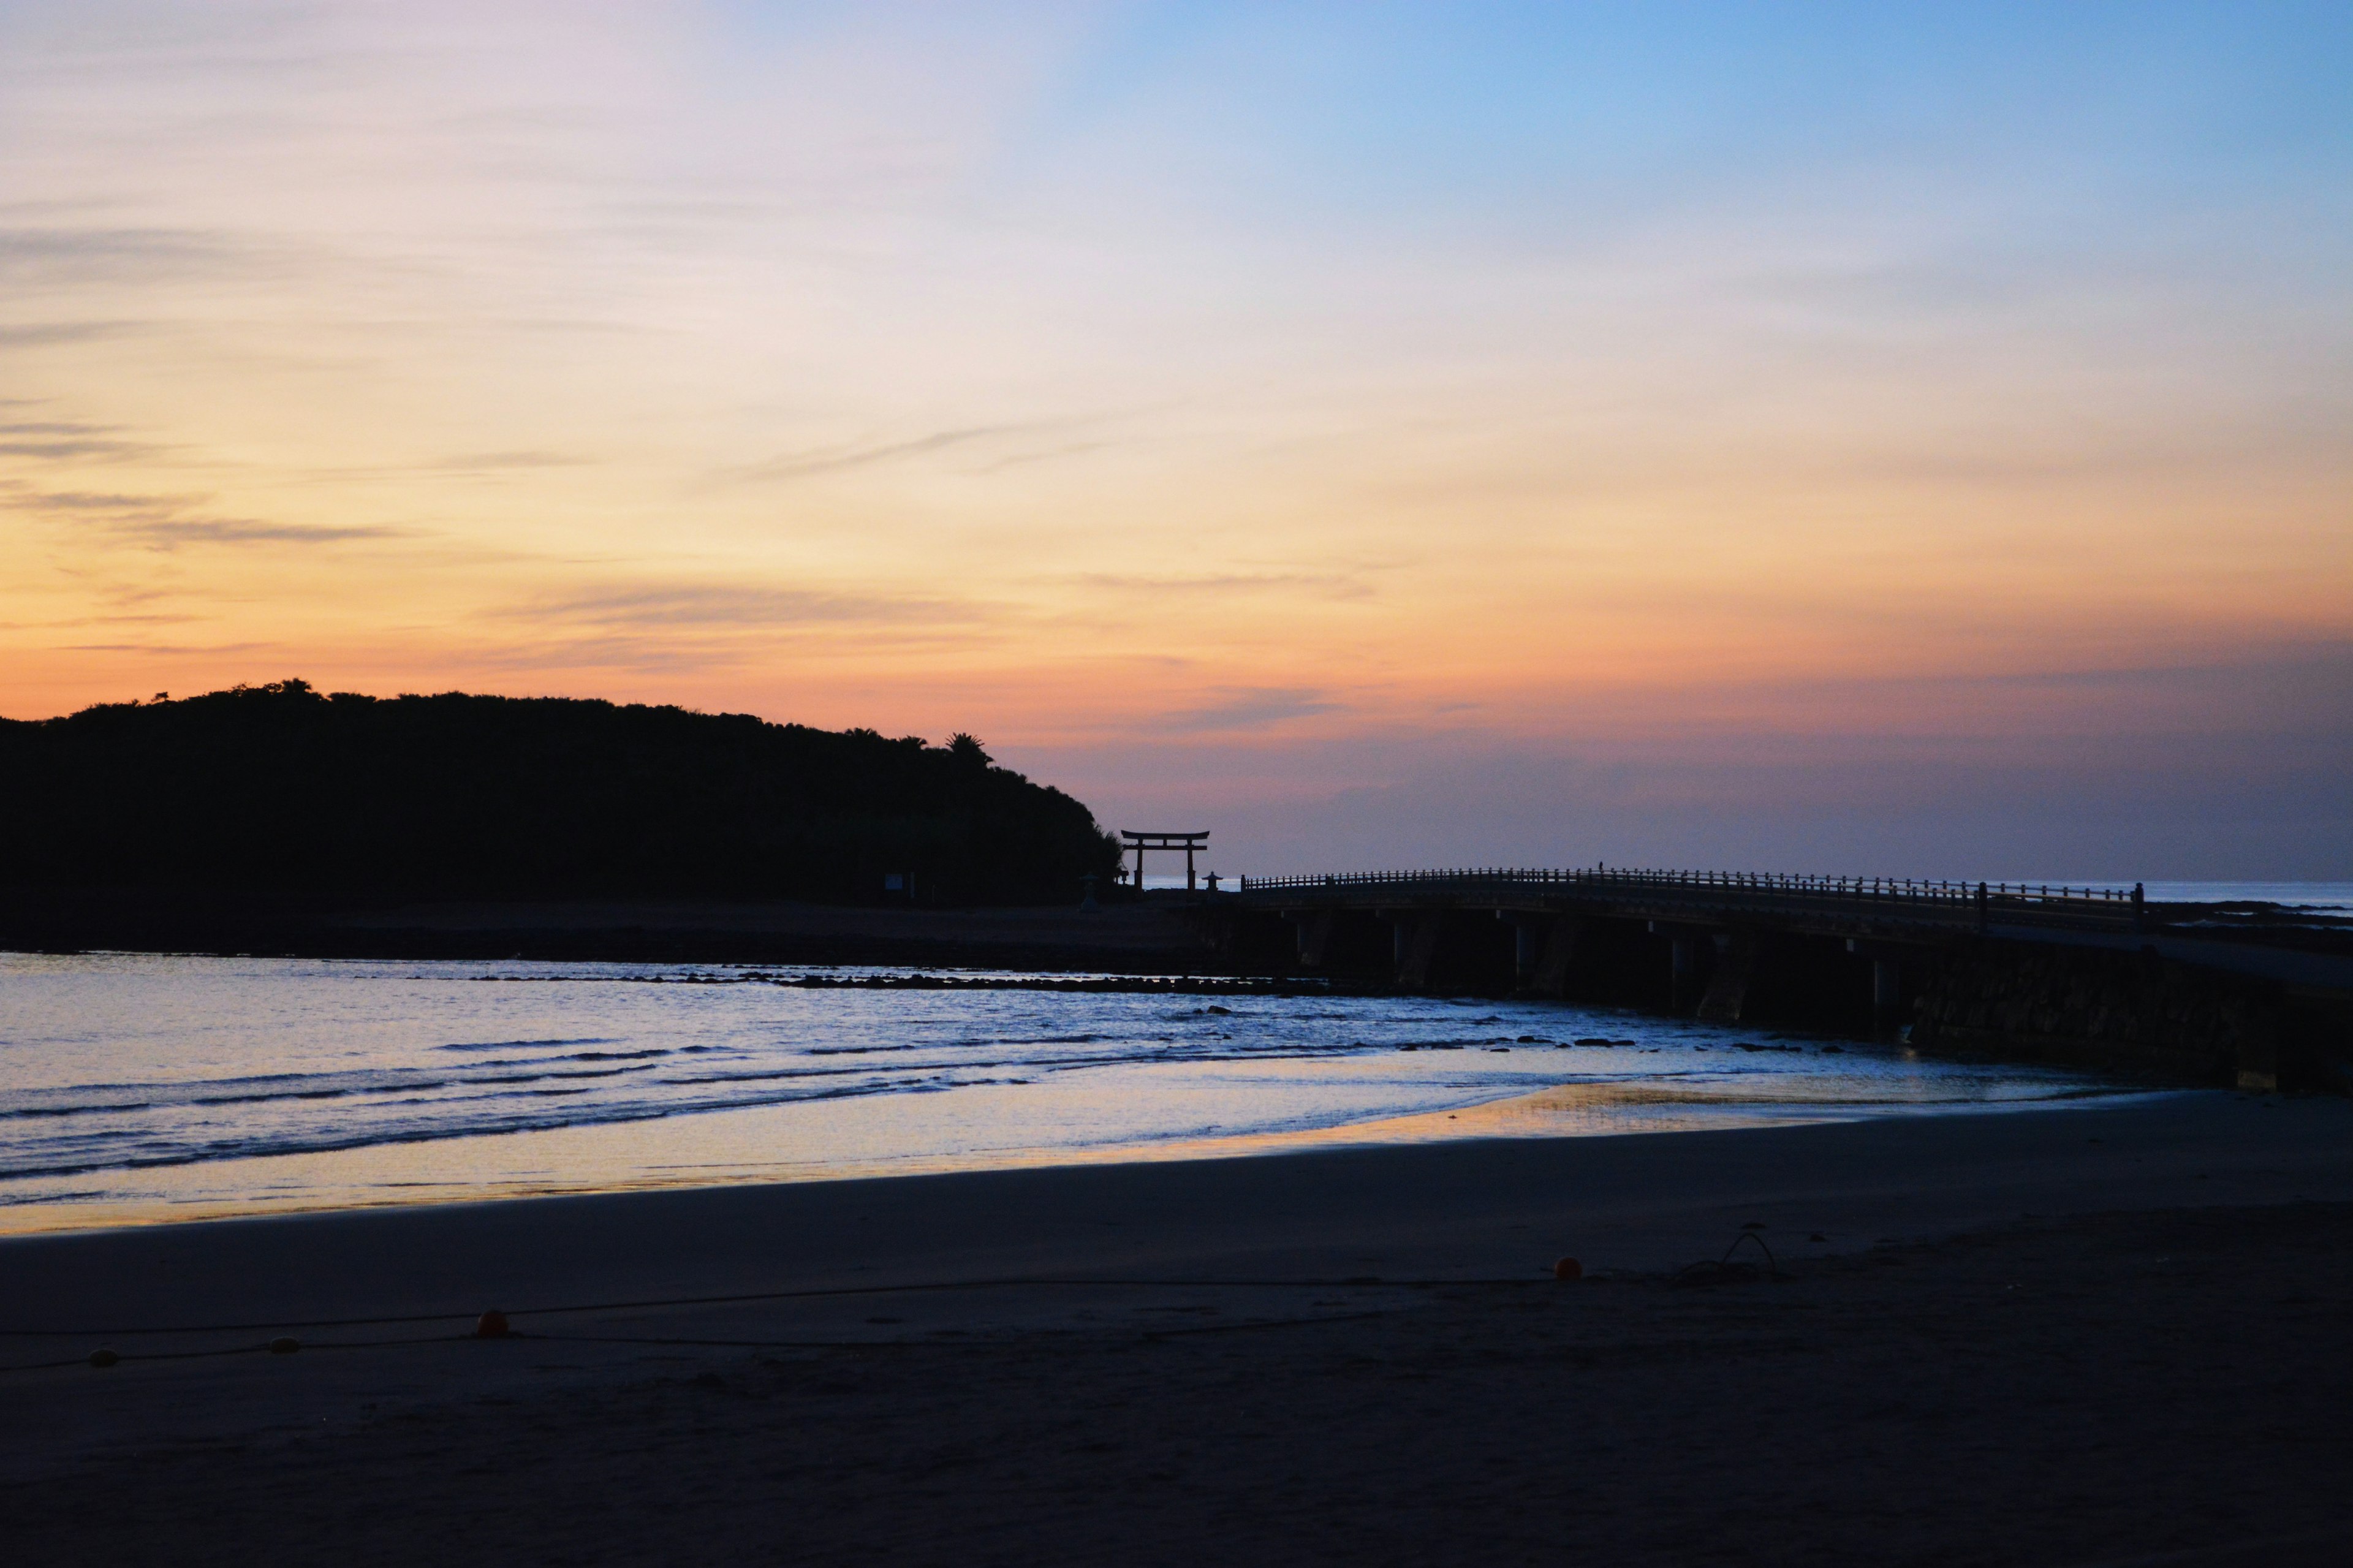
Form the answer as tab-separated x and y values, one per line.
2320	898
2325	897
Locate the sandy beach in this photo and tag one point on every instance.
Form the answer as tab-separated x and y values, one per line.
2095	1335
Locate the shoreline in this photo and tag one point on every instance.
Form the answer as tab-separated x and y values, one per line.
1622	1195
1574	1111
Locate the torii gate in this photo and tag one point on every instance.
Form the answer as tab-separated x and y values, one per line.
1140	842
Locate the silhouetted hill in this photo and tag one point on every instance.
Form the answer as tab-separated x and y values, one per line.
281	788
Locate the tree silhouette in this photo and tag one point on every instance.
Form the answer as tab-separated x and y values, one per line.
284	788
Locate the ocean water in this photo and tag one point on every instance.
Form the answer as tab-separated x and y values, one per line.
140	1088
2314	898
2317	897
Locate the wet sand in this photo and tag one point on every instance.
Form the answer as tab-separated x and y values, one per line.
2085	1336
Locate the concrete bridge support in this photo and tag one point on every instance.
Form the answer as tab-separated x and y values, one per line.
1727	984
1527	949
1313	930
1540	945
1560	943
1414	935
2258	1065
1886	985
1682	962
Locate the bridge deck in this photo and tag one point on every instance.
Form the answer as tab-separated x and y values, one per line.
2305	951
1836	904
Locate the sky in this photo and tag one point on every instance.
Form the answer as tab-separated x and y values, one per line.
1880	439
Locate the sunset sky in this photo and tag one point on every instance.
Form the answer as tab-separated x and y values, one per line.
1867	438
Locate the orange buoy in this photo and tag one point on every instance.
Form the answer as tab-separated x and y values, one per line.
103	1357
492	1325
284	1345
1568	1269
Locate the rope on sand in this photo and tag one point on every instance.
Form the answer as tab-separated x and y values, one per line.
1722	1270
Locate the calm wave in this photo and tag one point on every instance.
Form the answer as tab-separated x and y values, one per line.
137	1087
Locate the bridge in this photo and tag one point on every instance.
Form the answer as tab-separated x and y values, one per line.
2070	971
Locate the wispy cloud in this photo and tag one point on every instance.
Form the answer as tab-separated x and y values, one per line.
44	335
36	258
175	651
490	462
1327	584
64	440
169	521
800	465
1249	708
1043	454
98	502
1007	445
634	655
722	604
170	532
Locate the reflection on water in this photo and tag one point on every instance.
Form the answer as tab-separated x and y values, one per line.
135	1087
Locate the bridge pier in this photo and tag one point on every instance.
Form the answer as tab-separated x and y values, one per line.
1682	963
2093	975
1886	996
1413	942
1533	937
2257	1065
1727	984
1561	940
1312	928
1886	985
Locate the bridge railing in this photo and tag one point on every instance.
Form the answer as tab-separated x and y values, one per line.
2035	898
